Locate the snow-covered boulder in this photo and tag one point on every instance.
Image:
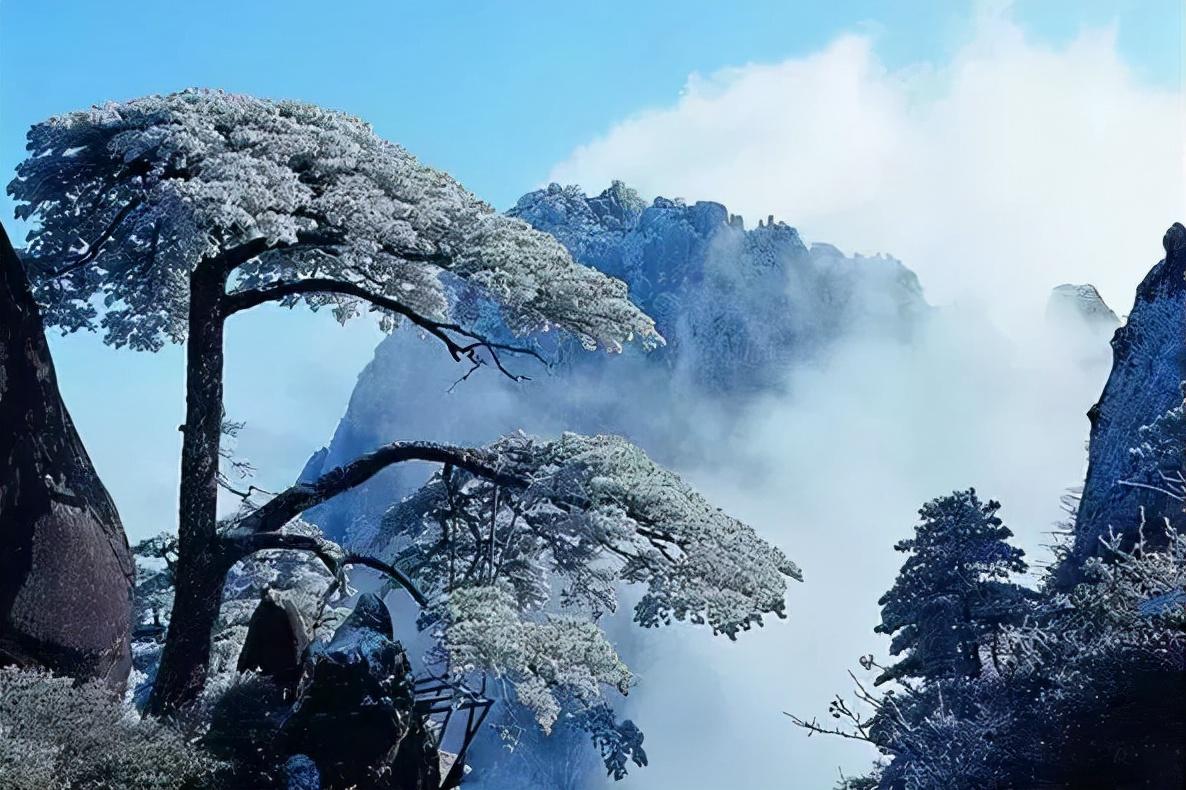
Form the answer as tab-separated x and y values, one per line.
354	709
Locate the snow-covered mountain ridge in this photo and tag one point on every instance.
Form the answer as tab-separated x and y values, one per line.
737	307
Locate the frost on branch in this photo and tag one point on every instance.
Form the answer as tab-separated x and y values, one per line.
56	733
1069	703
549	659
519	573
1130	611
130	196
593	511
1160	458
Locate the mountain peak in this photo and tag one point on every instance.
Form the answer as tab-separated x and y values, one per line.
1080	302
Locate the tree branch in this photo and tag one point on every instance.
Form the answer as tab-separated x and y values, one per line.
234	257
466	348
388	570
295	500
93	248
1157	489
242	545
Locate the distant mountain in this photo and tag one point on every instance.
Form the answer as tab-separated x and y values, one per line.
1081	303
1081	324
737	307
734	305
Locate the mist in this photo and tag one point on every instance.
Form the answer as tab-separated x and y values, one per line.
830	464
833	472
830	461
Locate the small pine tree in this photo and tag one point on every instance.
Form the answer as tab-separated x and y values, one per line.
952	591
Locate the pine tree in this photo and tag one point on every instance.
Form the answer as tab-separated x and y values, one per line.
159	219
952	591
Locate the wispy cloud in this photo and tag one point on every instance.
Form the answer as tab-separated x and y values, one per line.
1010	169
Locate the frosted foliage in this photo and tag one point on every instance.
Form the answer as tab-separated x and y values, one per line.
55	734
1134	603
1160	458
595	511
698	563
548	660
130	196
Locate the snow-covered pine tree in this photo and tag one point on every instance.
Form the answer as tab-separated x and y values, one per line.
171	214
952	590
517	577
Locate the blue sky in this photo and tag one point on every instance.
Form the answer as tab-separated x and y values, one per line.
493	92
496	93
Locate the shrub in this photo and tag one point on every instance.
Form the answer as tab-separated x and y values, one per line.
56	734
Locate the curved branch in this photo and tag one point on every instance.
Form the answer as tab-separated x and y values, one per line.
238	546
298	498
402	579
93	248
234	257
466	348
1166	492
241	546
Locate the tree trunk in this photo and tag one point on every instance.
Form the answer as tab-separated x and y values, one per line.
200	563
973	666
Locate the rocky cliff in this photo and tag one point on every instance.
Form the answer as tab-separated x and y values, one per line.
738	307
65	569
1148	367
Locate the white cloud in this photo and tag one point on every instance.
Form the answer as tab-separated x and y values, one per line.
1014	167
834	473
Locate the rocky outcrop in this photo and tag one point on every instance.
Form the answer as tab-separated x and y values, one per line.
355	711
276	641
737	307
1148	367
66	571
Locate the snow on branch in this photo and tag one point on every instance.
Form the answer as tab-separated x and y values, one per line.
548	659
595	512
519	575
1160	457
296	499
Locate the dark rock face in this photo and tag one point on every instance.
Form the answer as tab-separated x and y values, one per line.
737	307
1148	367
275	642
355	711
66	571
